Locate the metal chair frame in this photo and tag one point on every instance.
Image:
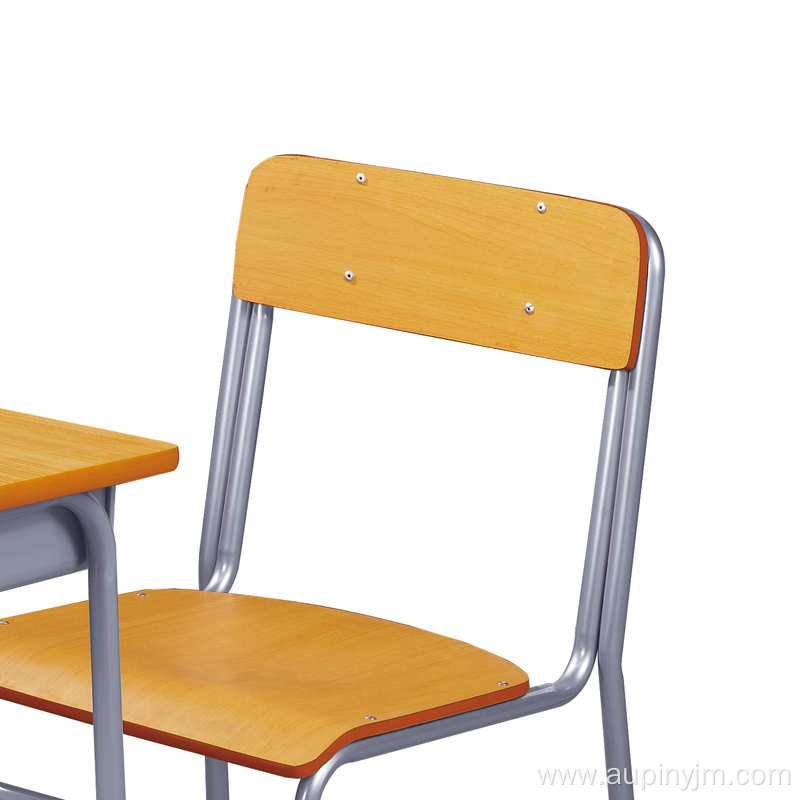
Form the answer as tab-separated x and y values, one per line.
603	605
602	609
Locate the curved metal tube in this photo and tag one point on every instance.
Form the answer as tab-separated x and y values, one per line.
538	698
224	425
219	469
590	605
623	535
104	636
232	456
234	514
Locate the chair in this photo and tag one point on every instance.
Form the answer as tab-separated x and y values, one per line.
298	690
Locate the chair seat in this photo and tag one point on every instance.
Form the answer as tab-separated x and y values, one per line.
269	684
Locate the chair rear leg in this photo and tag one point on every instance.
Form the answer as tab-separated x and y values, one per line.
619	776
216	780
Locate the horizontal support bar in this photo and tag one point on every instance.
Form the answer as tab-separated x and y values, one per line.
8	792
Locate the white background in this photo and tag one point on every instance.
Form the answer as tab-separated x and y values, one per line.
415	479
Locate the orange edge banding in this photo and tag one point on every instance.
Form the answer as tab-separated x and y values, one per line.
284	770
637	320
49	487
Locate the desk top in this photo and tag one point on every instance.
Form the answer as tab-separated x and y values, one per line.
42	458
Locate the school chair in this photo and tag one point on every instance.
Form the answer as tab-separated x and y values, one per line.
299	690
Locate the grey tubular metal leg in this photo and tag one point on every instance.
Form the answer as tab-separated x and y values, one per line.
225	423
590	605
232	457
234	512
623	535
107	498
104	631
104	634
216	780
227	406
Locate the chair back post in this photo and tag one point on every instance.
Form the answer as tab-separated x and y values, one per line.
224	425
235	437
587	626
623	534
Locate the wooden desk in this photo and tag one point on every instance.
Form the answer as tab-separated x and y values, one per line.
41	459
50	526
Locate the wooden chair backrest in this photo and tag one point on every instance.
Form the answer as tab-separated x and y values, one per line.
443	257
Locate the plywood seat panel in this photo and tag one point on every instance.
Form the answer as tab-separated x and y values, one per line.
270	684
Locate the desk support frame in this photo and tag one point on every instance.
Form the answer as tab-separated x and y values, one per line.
95	524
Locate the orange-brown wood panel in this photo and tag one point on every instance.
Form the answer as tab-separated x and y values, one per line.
42	458
448	258
269	684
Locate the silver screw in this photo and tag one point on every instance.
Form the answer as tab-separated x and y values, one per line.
141	594
502	683
370	717
529	308
541	207
3	622
348	276
361	177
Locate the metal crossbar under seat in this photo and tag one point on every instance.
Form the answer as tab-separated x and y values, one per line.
595	274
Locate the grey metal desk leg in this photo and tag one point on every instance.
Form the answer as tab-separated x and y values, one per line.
100	557
104	631
216	780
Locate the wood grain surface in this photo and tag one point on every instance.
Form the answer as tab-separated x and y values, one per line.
444	257
269	684
42	458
